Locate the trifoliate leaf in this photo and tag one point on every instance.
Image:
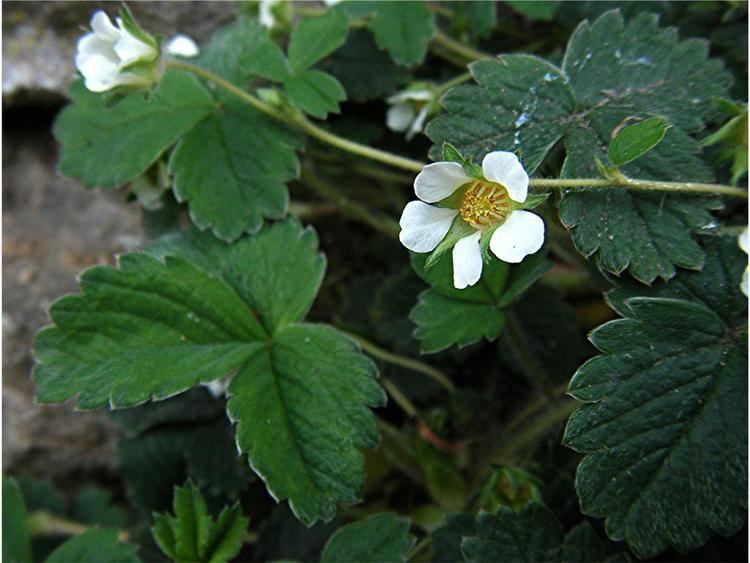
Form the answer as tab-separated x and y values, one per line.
301	414
528	536
241	50
314	38
107	146
314	92
404	29
95	546
382	538
620	70
364	71
665	427
634	140
16	542
446	316
520	104
192	535
231	169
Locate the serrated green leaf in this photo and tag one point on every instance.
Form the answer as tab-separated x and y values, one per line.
314	92
665	427
364	71
543	10
191	523
528	536
442	322
169	325
314	38
301	414
618	70
16	541
519	104
226	536
382	538
404	29
282	290
95	546
107	146
241	50
637	139
231	169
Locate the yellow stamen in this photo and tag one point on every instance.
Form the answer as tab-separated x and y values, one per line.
485	204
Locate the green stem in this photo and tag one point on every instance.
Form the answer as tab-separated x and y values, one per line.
399	398
464	51
633	184
403	361
423	544
385	225
301	122
455	81
43	523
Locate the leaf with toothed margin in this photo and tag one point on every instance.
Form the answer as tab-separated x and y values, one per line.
106	146
232	167
664	427
381	538
195	309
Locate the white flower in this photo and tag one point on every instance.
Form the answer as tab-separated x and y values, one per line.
491	206
274	13
410	108
108	56
743	242
181	45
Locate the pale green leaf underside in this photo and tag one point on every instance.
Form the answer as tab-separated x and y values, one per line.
232	167
108	146
381	538
665	430
312	387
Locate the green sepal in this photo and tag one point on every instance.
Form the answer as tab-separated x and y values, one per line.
131	26
459	229
451	154
632	141
532	201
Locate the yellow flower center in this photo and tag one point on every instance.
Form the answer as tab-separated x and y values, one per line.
485	204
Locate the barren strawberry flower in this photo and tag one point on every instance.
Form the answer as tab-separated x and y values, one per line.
742	241
486	210
410	108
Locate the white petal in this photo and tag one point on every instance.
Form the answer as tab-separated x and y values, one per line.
424	226
438	180
218	387
265	15
467	261
742	241
98	71
399	117
92	44
411	95
103	27
130	49
418	124
331	2
504	168
521	234
182	46
743	284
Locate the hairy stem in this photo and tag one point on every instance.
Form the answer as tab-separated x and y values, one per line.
301	122
464	51
399	398
43	523
403	361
